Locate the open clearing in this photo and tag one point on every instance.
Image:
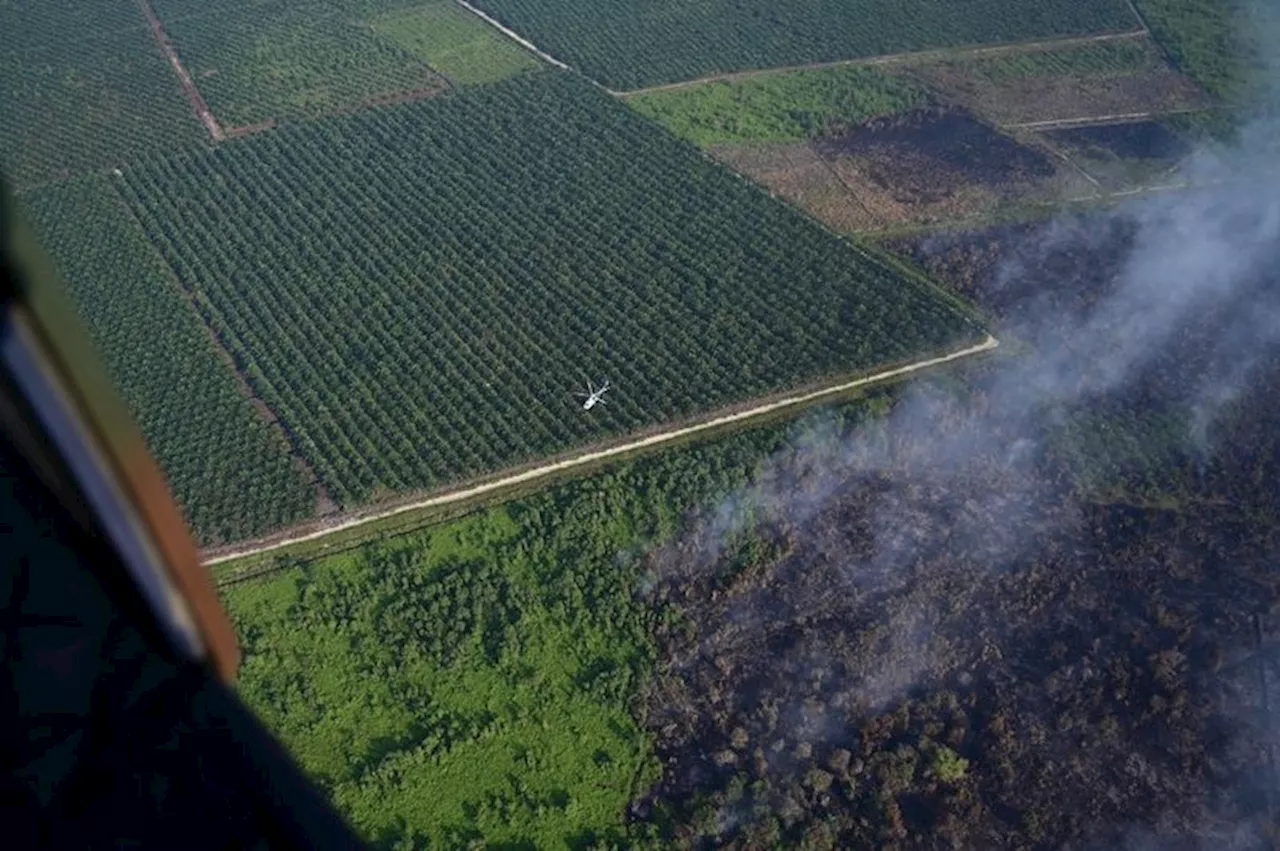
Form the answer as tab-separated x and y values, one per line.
920	167
454	42
1095	79
944	136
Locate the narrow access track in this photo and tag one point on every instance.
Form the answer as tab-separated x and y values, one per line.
945	53
589	457
513	35
184	77
1097	120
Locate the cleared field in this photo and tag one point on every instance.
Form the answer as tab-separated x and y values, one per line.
1097	79
255	62
779	108
454	42
92	101
416	290
628	45
233	477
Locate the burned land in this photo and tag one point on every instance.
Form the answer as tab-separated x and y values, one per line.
1132	140
922	166
927	154
961	626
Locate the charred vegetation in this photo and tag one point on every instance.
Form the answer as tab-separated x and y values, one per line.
973	630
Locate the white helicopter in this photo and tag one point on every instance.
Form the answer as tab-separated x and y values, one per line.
593	395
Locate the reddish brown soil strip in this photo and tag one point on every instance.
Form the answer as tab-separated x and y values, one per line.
248	129
184	78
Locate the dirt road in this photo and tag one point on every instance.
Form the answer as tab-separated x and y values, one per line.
184	77
950	53
590	457
513	35
1092	120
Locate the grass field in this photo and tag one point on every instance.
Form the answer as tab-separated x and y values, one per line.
417	290
233	477
475	682
93	101
455	42
779	108
628	45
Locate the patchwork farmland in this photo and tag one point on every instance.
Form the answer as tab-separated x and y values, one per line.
348	261
416	290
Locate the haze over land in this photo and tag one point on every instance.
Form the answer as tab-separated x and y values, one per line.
1026	600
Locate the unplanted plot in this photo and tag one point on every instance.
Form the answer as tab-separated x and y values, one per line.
1101	79
798	174
292	62
455	42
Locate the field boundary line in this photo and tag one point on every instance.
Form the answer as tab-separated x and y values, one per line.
658	439
513	35
184	77
1097	120
908	58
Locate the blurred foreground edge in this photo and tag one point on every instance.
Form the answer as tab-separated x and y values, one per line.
123	730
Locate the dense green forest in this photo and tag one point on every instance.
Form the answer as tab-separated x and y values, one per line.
628	45
416	291
233	476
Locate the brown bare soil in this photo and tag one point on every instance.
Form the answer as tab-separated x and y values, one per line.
397	97
1050	98
798	174
959	649
184	77
925	166
248	129
927	155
